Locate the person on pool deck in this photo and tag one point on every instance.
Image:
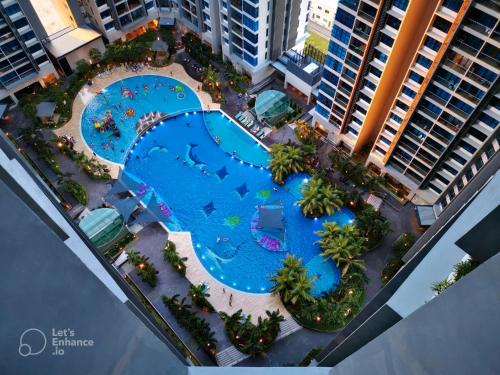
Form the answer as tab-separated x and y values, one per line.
231	300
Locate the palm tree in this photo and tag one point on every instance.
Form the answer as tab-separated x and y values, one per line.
330	231
319	198
440	286
286	159
301	291
350	263
133	256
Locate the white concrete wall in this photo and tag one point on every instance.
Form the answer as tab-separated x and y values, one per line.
438	264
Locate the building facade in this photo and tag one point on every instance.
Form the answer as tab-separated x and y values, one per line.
120	19
323	12
415	85
255	33
23	60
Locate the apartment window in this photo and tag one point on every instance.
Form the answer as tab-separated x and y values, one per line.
432	43
467	147
370	85
396	118
254	38
435	188
341	35
416	77
322	111
329	90
332	78
375	71
386	39
458	158
109	26
332	63
402	105
454	5
381	56
344	18
365	98
250	59
12	9
409	92
479	163
100	2
337	50
442	24
457	103
453	171
251	10
251	24
353	131
250	48
385	140
27	36
20	23
424	61
350	73
106	13
353	4
324	100
488	120
393	22
401	4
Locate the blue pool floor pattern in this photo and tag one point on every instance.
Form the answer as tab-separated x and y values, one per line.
150	93
222	237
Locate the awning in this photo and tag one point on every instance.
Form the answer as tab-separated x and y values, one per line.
71	41
45	109
374	201
425	215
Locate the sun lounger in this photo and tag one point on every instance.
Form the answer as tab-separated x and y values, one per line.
259	133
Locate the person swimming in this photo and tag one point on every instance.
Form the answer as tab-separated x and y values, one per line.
218	239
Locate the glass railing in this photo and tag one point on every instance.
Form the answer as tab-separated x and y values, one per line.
366	16
483	29
440	137
449	125
457	110
488	59
462	45
460	68
482	81
468	95
436	98
344	91
352	64
428	112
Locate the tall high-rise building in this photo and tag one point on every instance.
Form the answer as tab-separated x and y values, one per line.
254	33
23	59
120	19
415	84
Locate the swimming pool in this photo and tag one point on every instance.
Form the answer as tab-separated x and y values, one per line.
126	101
216	196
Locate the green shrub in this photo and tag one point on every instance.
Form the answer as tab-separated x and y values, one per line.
399	249
198	294
198	327
171	256
249	338
145	270
120	245
75	189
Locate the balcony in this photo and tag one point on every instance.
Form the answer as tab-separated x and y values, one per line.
459	68
428	112
436	98
468	96
479	27
488	59
344	91
363	33
352	64
366	16
476	78
347	78
467	48
458	111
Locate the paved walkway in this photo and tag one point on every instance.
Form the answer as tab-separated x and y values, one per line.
251	303
87	93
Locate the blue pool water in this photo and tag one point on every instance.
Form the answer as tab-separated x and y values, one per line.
171	159
149	93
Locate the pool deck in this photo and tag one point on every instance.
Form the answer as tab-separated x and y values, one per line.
87	93
251	303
